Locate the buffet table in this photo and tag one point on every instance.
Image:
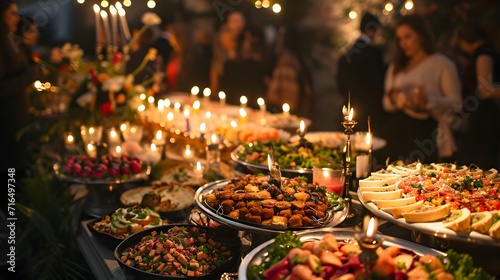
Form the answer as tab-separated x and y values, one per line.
104	266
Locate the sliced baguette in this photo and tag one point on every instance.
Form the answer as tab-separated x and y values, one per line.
481	221
427	214
494	230
398	211
372	182
394	202
369	196
458	220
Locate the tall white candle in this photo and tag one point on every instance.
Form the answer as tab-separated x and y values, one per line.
97	9
107	30
124	24
114	24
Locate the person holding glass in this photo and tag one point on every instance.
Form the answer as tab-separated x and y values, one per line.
422	90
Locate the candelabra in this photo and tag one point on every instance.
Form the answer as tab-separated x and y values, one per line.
348	125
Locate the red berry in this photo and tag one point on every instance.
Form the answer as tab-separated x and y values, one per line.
114	172
77	168
136	167
102	167
89	163
124	169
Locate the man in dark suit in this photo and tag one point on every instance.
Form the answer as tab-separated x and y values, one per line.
163	45
361	71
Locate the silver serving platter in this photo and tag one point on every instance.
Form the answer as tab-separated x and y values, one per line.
103	181
256	256
336	218
434	229
261	168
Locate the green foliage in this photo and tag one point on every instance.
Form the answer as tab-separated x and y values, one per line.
47	244
462	267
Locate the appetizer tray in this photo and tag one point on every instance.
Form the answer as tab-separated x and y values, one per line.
143	175
337	139
332	217
257	255
456	197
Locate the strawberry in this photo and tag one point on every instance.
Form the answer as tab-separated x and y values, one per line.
125	159
98	173
125	169
86	172
114	172
89	163
103	167
71	158
77	168
135	166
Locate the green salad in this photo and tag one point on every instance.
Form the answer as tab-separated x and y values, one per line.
290	155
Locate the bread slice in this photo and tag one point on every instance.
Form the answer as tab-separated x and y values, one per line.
427	214
494	230
481	221
458	220
394	202
369	196
372	182
398	211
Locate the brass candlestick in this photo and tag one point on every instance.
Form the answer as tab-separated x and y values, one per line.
369	241
348	125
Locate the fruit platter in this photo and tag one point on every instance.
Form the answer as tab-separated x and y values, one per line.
337	254
443	200
257	205
105	170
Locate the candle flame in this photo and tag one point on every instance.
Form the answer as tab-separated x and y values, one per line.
368	139
186	113
222	95
234	124
344	110
170	116
177	105
112	10
198	165
161	105
351	114
118	149
208	115
91	130
141	108
213	138
123	127
243	113
97	9
121	12
261	101
203	127
151	99
167	102
269	162
196	105
104	14
286	108
302	126
71	138
142	96
207	92
133	129
372	227
113	133
243	100
195	90
159	135
90	147
187	152
153	147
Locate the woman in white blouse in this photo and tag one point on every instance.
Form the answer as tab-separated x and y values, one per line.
422	91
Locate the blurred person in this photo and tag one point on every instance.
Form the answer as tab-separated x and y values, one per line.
289	82
163	43
483	70
27	32
138	51
225	46
361	72
422	89
16	74
195	68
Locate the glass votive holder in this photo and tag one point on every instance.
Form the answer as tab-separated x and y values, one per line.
114	137
132	133
91	134
213	150
91	149
330	176
69	141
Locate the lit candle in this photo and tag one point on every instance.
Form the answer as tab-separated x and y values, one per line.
154	154
113	137
222	98
196	106
143	96
370	227
97	10
159	139
243	116
69	142
188	154
91	150
206	95
117	151
161	105
131	133
124	24
107	30
186	115
262	105
302	127
351	114
203	128
243	101
362	166
151	101
194	91
208	115
170	117
286	109
167	102
114	23
213	150
177	107
198	171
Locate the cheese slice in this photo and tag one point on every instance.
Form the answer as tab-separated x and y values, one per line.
427	214
397	211
394	202
481	221
372	182
459	220
369	196
378	189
